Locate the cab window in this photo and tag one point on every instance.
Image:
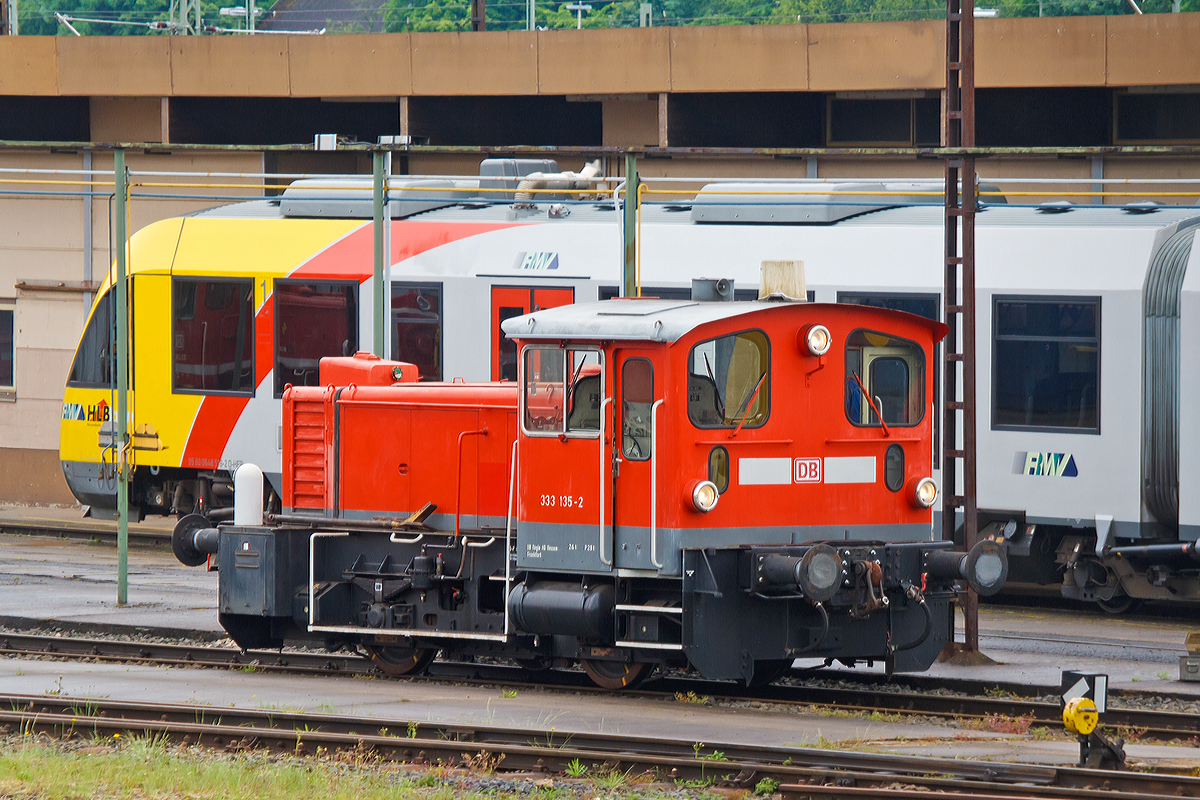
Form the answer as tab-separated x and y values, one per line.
885	377
729	381
562	391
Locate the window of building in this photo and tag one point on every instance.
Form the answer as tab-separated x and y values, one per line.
417	327
729	381
885	377
1160	118
884	121
312	321
1046	363
95	360
213	336
557	379
8	313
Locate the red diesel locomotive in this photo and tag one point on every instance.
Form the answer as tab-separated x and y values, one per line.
722	485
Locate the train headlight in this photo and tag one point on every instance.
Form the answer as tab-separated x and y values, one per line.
819	573
924	493
702	496
817	340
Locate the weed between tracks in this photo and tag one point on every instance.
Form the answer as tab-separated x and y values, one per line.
139	767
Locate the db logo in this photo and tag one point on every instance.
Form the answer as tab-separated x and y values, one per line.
808	470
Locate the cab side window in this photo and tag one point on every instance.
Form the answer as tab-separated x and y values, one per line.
637	399
561	391
729	381
885	377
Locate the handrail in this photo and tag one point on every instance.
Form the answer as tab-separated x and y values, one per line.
605	467
458	482
654	483
512	482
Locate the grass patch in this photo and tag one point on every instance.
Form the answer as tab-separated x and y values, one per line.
148	767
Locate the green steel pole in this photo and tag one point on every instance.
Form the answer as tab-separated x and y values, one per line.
629	287
121	178
380	298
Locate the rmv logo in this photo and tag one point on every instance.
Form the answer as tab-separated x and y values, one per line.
1055	465
536	261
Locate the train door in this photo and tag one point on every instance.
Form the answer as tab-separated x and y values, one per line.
514	301
566	480
634	403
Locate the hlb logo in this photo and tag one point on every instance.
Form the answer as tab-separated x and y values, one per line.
808	470
536	261
98	412
1056	465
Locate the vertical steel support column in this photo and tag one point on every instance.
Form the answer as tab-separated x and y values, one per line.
960	132
629	279
380	304
121	289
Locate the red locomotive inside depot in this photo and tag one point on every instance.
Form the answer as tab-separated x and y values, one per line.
726	486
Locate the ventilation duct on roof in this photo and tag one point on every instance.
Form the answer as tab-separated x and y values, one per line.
812	203
354	197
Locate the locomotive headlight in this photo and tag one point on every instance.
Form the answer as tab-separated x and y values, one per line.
924	493
702	496
819	573
817	340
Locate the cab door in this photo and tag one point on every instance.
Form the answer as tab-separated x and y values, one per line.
564	460
635	401
516	301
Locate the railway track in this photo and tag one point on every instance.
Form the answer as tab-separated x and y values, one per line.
87	530
799	772
1163	726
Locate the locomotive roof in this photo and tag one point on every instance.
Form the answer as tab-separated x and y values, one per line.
636	319
915	215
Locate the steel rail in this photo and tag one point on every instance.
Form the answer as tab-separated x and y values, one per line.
800	771
1147	724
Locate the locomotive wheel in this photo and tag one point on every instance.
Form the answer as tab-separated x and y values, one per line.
1120	604
536	665
398	661
615	675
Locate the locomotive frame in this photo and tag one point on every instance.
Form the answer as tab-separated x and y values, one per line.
581	545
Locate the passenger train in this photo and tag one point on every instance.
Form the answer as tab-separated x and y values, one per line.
1088	330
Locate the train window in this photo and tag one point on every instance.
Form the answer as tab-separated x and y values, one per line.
213	336
729	381
885	376
7	349
637	398
95	360
556	379
543	390
312	321
417	327
718	468
923	305
1046	363
583	391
